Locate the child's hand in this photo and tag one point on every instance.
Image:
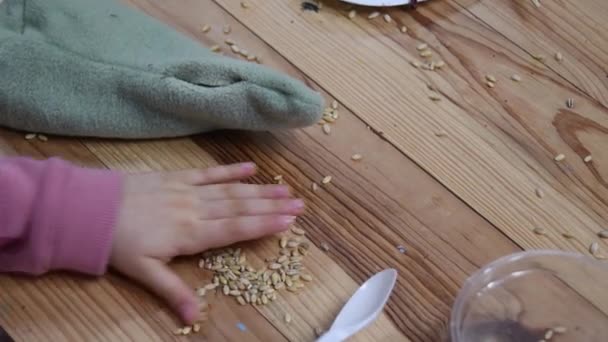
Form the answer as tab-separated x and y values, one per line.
180	213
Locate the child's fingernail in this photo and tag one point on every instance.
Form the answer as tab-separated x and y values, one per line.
189	312
288	220
248	166
282	190
296	204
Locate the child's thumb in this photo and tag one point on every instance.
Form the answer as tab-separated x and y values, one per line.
165	283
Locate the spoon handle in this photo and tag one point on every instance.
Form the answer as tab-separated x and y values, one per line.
330	336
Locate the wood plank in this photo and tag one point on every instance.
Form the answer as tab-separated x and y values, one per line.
368	210
63	307
494	156
576	29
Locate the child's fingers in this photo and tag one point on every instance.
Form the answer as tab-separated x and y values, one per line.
250	207
242	191
223	232
159	278
219	174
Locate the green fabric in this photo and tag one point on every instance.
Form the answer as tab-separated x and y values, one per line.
99	68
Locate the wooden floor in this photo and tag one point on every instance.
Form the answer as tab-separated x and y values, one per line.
458	182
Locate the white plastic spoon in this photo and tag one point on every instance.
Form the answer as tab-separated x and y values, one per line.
363	307
381	3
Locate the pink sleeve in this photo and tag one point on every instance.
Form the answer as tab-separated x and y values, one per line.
56	216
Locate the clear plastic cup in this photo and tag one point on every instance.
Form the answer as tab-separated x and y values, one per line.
534	296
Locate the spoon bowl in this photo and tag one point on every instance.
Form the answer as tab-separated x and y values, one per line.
363	307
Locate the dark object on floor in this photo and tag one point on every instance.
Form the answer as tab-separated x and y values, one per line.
413	3
310	6
4	336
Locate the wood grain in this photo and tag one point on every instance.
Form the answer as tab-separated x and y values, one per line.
498	151
576	29
494	156
331	156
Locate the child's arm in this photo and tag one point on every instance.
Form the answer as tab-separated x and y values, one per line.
57	216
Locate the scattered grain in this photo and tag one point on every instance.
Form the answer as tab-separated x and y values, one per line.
516	78
229	42
416	64
373	15
187	330
387	18
491	78
356	157
244	4
490	84
352	14
306	277
603	234
588	159
227	29
422	46
42	137
235	49
324	246
326	180
594	247
298	231
559	157
206	28
439	64
549	334
538	57
178	331
251	58
201	292
536	3
278	178
559	57
30	136
287	318
241	300
319	331
435	97
539	193
314	186
326	129
403	29
539	231
216	48
426	53
560	329
196	327
568	235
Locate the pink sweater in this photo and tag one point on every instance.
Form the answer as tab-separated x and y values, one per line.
56	216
